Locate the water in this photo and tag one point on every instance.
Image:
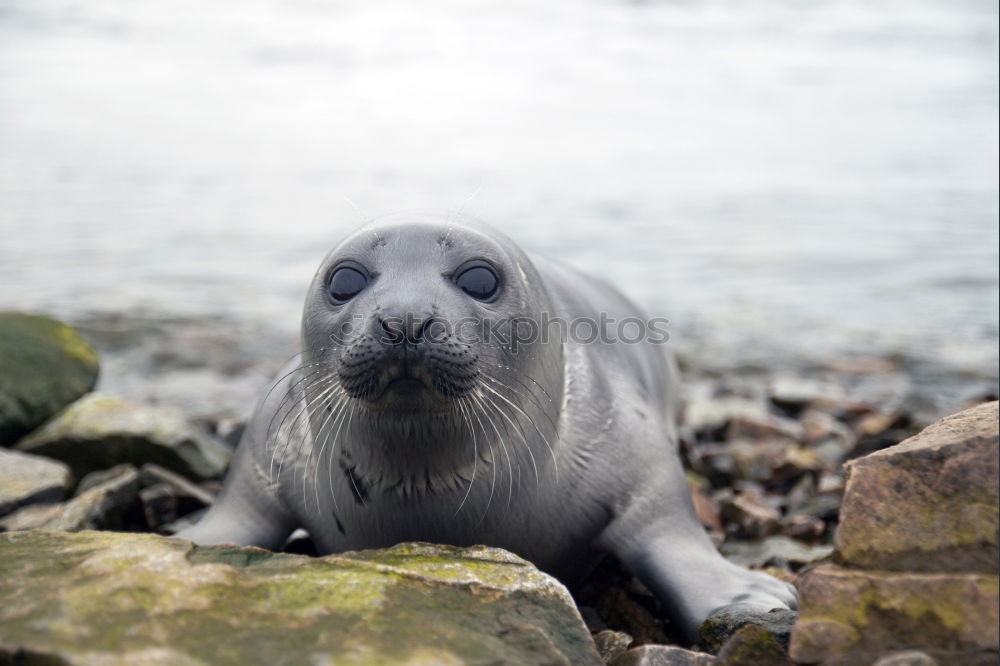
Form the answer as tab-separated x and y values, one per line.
800	178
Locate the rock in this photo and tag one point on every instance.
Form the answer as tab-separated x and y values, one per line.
852	617
159	504
706	508
610	643
100	431
662	655
623	612
100	478
105	598
929	503
792	394
102	506
27	479
796	461
818	426
753	645
717	629
763	427
751	516
800	526
709	416
44	366
776	549
756	460
906	658
152	474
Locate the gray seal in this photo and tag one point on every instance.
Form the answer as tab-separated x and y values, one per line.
436	400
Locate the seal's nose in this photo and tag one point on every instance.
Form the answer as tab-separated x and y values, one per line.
409	327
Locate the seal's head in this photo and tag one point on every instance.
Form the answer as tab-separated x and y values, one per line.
414	327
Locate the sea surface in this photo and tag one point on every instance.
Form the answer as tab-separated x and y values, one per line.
783	180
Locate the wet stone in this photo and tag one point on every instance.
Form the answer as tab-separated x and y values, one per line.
26	479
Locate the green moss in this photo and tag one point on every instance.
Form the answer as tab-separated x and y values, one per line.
44	366
117	593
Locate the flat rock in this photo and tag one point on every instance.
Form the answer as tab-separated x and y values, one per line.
109	599
27	479
851	617
906	658
662	655
44	366
100	431
101	506
776	548
929	503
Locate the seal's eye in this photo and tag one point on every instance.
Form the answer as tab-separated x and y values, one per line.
345	283
479	282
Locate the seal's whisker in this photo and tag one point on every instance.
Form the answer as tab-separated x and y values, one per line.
290	391
527	391
357	491
545	439
288	407
307	466
336	397
517	424
341	413
464	410
503	447
475	410
303	404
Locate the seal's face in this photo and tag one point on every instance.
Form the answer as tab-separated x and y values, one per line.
412	317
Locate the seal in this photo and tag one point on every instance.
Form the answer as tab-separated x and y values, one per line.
433	401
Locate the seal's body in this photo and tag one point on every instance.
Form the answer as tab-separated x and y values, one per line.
451	390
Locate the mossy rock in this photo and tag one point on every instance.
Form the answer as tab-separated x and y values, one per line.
100	431
44	365
113	598
929	503
851	617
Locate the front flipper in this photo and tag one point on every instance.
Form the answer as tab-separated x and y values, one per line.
659	539
246	513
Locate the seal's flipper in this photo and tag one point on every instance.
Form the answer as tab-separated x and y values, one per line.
246	513
660	540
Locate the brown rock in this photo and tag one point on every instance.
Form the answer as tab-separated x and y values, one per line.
767	426
929	503
751	517
623	612
706	508
611	643
662	655
852	617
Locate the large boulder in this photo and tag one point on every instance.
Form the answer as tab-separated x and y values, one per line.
851	617
917	553
100	431
44	366
929	503
108	598
27	479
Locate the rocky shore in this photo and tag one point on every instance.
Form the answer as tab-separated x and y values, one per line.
834	477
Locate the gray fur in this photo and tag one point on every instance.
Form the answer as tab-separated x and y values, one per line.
556	452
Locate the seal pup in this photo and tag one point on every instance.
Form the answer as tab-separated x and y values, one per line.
424	408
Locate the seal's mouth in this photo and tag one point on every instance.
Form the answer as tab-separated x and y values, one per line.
408	373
